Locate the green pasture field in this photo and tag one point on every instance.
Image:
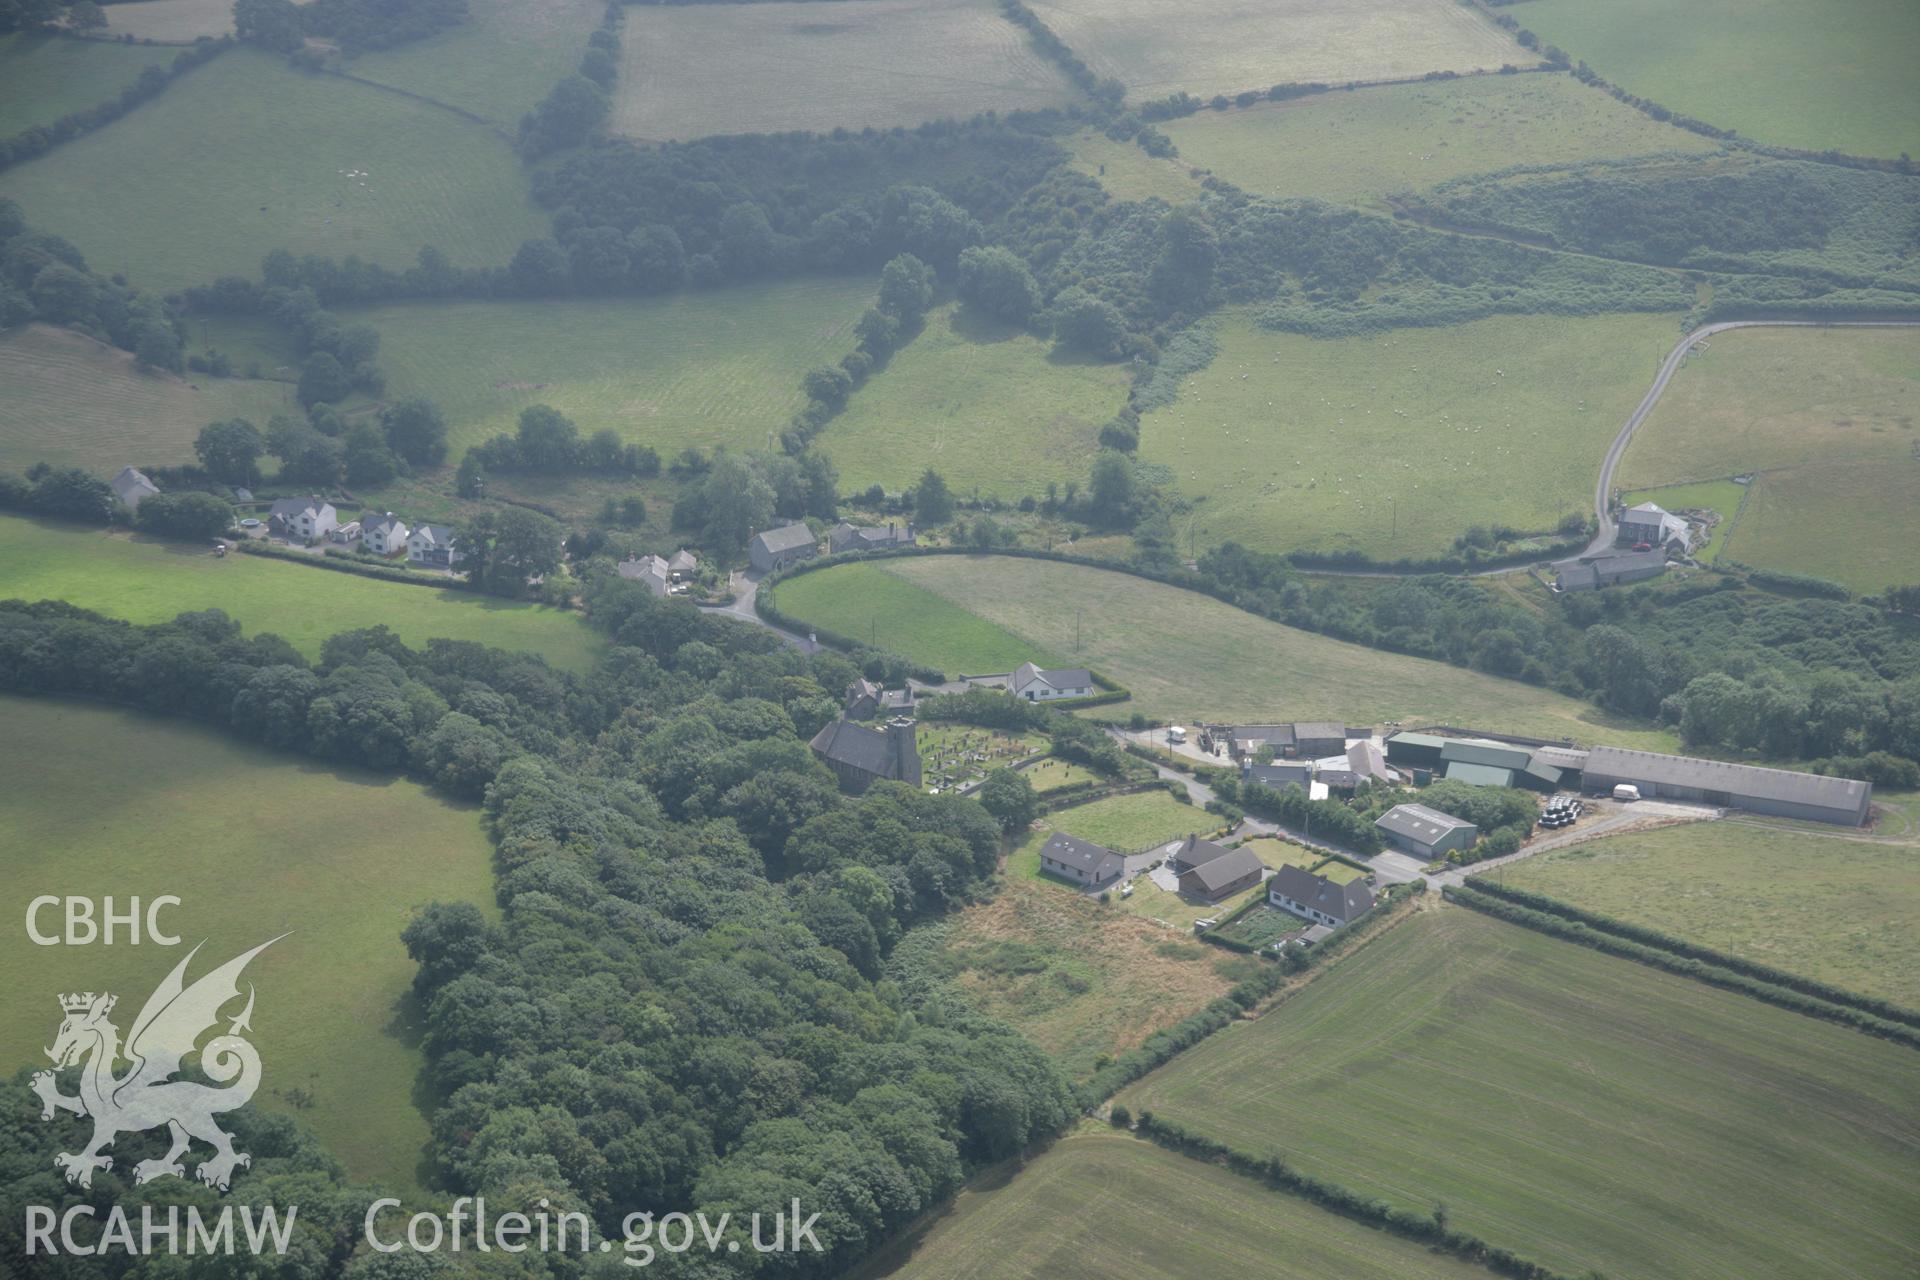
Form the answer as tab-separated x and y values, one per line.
68	400
1828	420
869	603
498	64
1223	46
144	580
1824	903
101	801
170	21
714	367
1076	977
693	70
1128	173
1721	496
1395	444
247	155
986	405
1132	823
1574	1107
44	77
1101	1204
1779	72
1361	145
1186	656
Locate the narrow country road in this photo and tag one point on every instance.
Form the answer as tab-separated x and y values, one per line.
745	587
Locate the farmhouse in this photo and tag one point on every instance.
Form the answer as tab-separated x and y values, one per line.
1080	861
1279	775
384	534
307	519
852	537
432	545
1319	899
860	757
1782	792
1036	684
651	572
131	486
776	548
1652	525
1590	573
1429	833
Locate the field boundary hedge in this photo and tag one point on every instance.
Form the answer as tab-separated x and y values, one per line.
1874	1005
36	140
1713	975
342	564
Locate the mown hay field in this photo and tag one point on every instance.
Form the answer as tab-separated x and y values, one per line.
691	71
716	367
986	405
170	21
44	77
1777	71
1577	1108
1830	905
1102	1204
1395	444
246	155
68	400
869	604
1187	656
498	64
1206	47
1828	420
101	801
1362	145
144	580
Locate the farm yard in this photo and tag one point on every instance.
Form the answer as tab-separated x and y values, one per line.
1431	1064
1829	905
987	406
43	78
718	367
1102	1204
74	402
1186	656
1836	77
1828	420
1361	146
209	179
143	580
497	65
692	70
1393	445
1223	46
230	830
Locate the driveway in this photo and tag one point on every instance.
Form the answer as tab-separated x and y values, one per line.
745	586
1640	813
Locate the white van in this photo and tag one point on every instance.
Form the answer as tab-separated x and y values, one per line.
1177	735
1626	791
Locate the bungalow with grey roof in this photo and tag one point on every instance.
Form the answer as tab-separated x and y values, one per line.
1037	684
1223	875
1317	898
1080	861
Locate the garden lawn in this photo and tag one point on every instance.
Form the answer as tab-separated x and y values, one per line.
1186	657
1828	905
1101	1204
1395	444
45	77
1829	422
1838	75
145	580
100	801
68	400
1223	46
1132	823
498	64
985	405
1360	146
714	367
1577	1108
872	605
246	155
693	70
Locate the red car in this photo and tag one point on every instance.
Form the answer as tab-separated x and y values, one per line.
1643	546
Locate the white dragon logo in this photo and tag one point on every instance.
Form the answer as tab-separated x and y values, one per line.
169	1024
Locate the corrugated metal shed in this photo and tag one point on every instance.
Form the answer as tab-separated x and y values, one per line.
1479	775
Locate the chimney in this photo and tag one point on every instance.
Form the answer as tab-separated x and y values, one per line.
902	739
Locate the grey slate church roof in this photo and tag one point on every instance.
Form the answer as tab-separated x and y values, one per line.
856	745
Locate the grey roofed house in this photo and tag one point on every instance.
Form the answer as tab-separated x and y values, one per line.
131	486
1279	775
1248	738
682	562
1317	898
650	571
1319	738
773	548
1231	871
862	699
1782	792
860	757
1590	574
1080	860
1195	852
1418	828
1030	681
847	536
1651	523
